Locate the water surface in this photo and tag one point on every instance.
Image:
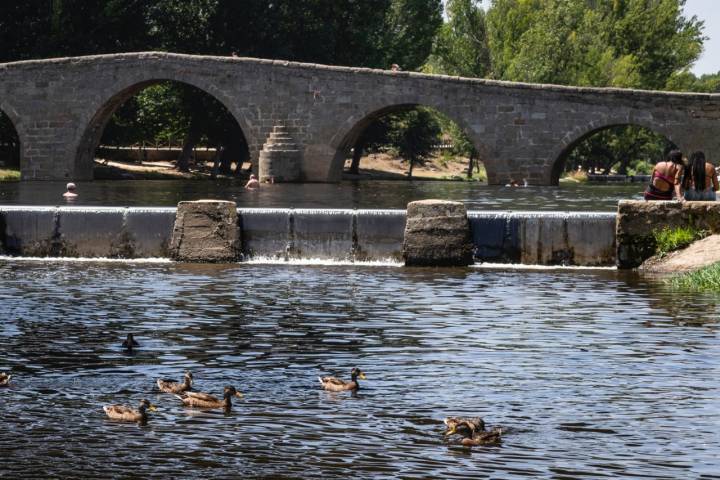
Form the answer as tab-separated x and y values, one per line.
595	373
367	194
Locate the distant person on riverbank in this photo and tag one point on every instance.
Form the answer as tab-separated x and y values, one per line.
395	67
666	177
70	193
253	183
700	181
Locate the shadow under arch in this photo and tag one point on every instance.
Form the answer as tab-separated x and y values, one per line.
575	138
353	127
90	140
10	151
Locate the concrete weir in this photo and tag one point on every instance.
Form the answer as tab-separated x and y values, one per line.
545	238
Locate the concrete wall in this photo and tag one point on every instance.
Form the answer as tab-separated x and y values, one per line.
60	107
550	238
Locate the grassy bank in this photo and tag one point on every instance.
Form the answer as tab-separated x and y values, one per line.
9	175
670	239
704	280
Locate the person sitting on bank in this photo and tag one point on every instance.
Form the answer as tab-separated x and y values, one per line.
666	177
252	183
700	181
70	192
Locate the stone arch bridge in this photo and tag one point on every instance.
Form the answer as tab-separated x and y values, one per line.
60	107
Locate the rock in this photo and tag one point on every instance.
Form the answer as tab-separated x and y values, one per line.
206	231
699	254
637	220
437	233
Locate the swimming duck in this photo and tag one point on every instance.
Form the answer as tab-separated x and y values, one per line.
476	424
5	379
171	386
129	414
333	384
130	343
204	400
473	435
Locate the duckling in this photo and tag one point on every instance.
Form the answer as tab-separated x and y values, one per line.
5	379
171	386
472	436
130	343
129	414
333	384
203	400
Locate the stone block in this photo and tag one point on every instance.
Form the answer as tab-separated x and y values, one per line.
206	231
637	220
437	233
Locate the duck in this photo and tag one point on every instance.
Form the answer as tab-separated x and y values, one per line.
129	414
473	431
207	401
5	379
333	384
130	343
171	386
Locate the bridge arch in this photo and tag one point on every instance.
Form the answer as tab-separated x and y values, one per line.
560	154
346	135
102	111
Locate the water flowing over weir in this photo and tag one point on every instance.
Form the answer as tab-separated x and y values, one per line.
543	238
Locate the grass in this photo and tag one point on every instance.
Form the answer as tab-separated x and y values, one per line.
706	279
671	239
7	175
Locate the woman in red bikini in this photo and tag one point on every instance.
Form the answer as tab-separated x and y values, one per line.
666	178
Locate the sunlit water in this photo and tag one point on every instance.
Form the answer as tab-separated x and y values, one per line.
364	194
594	373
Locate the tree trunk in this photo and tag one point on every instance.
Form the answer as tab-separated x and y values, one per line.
470	165
193	136
412	163
219	154
357	154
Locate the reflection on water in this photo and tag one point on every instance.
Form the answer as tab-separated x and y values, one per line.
591	371
369	194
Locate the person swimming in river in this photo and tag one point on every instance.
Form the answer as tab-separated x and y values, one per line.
70	191
700	181
253	183
666	177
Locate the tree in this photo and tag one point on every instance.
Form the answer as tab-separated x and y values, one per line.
410	27
461	46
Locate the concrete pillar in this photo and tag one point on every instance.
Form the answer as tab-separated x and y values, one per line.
437	233
206	231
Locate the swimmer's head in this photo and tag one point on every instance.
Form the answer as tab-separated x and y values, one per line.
252	176
71	187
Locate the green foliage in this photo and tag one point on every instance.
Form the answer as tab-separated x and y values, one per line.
461	43
706	280
671	239
410	27
621	149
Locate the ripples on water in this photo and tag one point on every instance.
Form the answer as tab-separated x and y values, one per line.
596	374
368	194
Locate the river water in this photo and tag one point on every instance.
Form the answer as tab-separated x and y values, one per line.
595	373
368	194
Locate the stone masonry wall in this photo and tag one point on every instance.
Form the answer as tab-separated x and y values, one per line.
60	107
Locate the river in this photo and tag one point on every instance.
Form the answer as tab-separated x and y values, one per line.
595	373
369	194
